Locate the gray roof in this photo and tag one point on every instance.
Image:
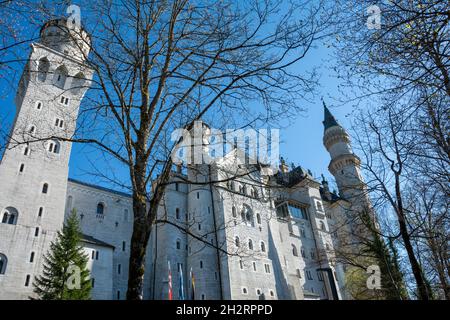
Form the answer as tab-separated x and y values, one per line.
92	240
123	194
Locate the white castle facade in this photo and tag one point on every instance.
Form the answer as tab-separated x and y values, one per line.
250	236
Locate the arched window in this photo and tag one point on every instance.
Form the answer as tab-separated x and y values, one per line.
294	251
54	146
263	246
10	215
78	82
43	68
3	263
258	218
250	244
45	188
100	208
237	241
233	212
60	76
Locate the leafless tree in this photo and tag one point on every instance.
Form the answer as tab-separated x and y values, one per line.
161	65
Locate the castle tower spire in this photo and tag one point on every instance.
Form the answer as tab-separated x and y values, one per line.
329	120
344	164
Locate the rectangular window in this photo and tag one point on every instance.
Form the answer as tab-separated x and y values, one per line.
267	268
319	275
96	255
27	280
198	195
299	273
32	257
176	187
254	266
64	100
308	275
36	232
93	282
119	268
118	294
93	254
199	226
241	264
123	245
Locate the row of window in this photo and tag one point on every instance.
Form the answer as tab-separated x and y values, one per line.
4	264
254	266
60	76
243	189
257	291
262	245
302	251
11	215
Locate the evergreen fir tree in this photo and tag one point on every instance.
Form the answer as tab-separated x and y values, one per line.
61	265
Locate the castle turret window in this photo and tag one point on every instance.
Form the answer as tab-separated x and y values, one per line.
32	257
201	264
233	212
45	188
43	67
177	213
36	232
38	105
263	246
250	244
27	280
60	76
53	146
10	215
100	208
3	263
178	244
267	267
237	242
21	168
294	250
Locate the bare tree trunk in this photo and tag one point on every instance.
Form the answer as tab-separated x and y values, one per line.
415	266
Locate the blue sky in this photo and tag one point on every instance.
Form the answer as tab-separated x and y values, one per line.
301	141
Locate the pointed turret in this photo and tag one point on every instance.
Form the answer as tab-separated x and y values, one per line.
329	120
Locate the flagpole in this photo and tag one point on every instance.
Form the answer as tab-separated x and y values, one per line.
169	280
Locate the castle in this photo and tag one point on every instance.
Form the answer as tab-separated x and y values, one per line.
250	236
